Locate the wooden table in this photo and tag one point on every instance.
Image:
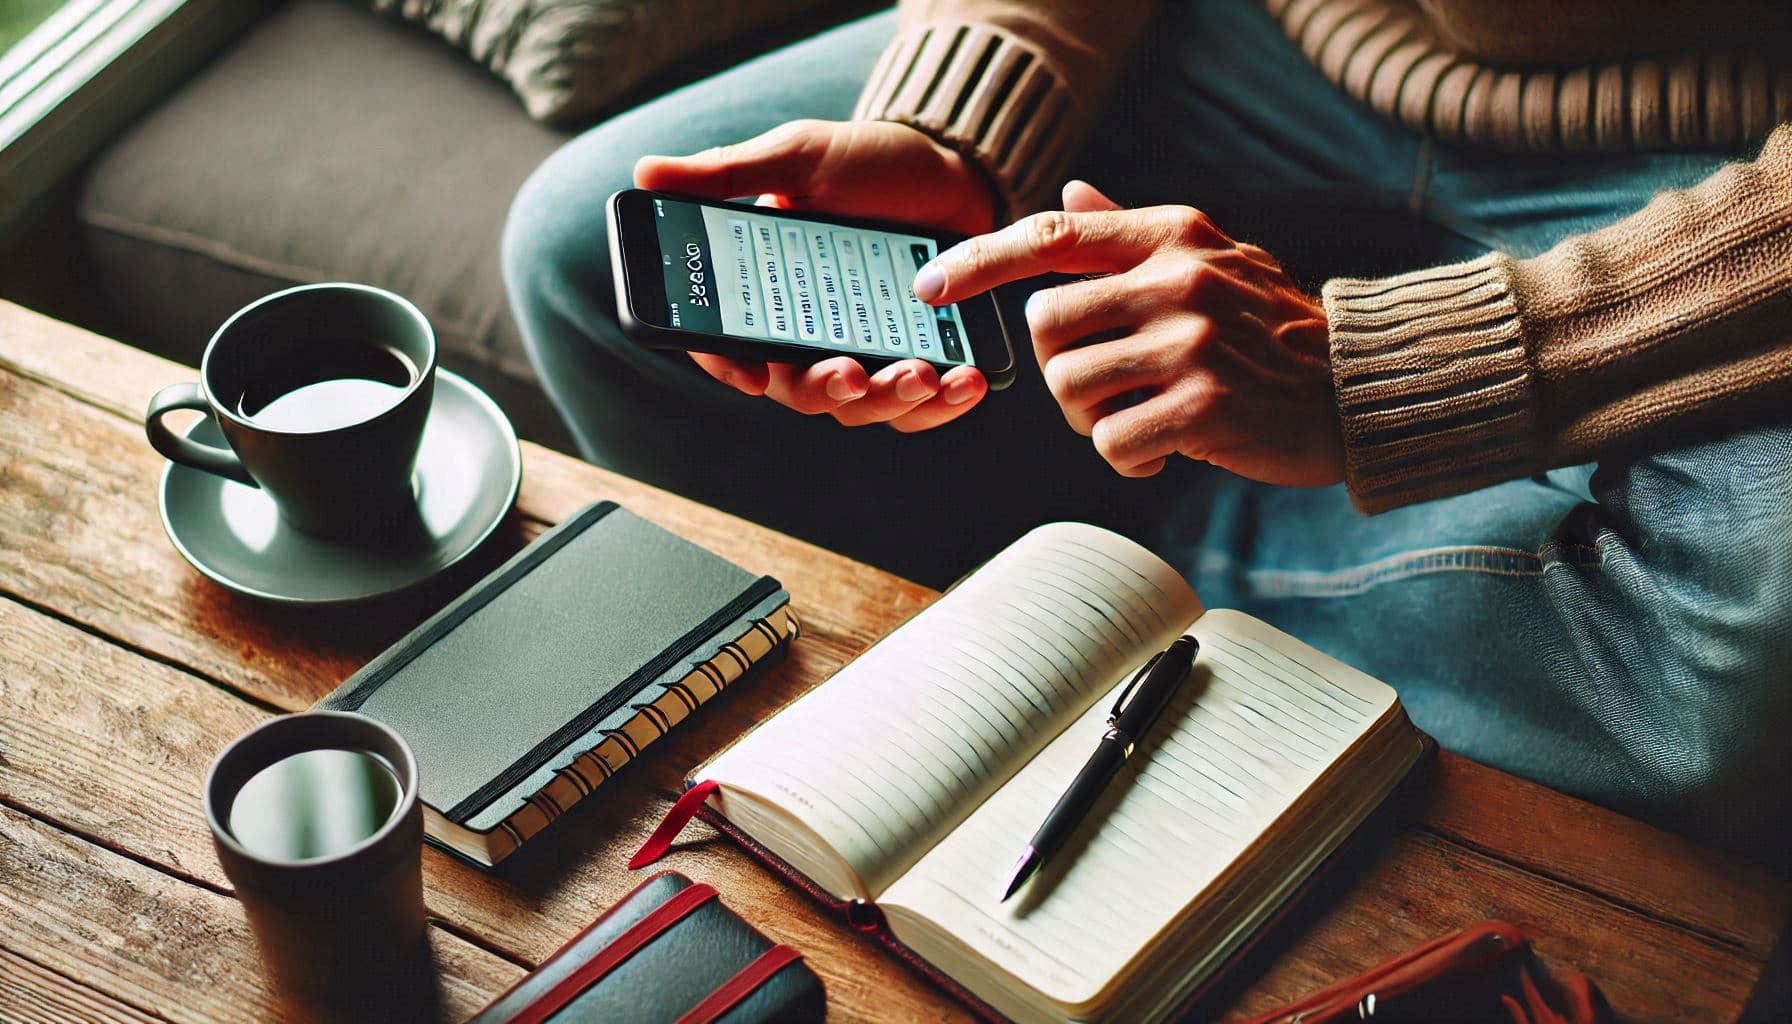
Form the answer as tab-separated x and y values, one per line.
123	672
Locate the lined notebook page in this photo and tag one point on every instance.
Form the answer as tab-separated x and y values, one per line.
891	753
1252	729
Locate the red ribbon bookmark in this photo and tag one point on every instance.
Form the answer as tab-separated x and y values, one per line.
676	819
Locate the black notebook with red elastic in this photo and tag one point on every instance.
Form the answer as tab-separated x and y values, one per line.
669	951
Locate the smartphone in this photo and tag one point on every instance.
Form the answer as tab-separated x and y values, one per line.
760	283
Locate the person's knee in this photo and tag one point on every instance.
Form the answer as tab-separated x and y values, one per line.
1703	535
555	252
1690	611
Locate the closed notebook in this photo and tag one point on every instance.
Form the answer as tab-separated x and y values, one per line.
668	951
529	691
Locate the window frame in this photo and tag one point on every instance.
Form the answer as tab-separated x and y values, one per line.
70	84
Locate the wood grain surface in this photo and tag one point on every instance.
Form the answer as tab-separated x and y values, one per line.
123	672
32	995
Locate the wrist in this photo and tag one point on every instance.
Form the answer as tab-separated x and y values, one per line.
984	203
997	114
1433	382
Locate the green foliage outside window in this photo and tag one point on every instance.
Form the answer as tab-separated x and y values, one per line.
18	17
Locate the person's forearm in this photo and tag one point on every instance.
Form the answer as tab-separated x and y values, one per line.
1014	86
1625	339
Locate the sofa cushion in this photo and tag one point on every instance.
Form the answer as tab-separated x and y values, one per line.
328	144
567	59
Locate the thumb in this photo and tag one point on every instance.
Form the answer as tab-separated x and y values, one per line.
1082	197
782	160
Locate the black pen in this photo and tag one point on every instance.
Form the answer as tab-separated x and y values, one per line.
1139	705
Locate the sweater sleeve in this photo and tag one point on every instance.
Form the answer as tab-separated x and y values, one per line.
1015	86
1677	318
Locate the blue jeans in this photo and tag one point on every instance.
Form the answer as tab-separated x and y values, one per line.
1616	631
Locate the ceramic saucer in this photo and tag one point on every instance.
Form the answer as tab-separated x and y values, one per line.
468	471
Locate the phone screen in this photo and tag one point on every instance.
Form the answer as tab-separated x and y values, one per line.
759	275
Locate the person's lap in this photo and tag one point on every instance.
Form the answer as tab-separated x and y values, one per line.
931	505
927	505
1516	621
1545	625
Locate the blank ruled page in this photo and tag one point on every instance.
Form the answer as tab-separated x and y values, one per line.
1257	723
893	751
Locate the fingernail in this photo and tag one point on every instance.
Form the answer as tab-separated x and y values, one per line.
960	391
840	390
930	283
910	387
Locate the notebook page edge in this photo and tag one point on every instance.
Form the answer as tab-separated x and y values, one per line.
737	761
1091	989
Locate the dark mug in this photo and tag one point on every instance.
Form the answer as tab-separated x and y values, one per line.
317	823
322	392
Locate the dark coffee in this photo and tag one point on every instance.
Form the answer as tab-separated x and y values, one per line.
316	803
330	387
322	393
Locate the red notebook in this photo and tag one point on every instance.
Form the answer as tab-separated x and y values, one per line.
902	789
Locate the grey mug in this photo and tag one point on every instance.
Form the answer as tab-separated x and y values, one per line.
342	936
342	480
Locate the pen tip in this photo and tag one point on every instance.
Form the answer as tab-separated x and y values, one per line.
1023	870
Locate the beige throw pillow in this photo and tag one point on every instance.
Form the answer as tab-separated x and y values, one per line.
567	59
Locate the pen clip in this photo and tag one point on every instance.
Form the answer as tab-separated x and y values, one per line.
1120	703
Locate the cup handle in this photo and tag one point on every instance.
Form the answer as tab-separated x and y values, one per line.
186	451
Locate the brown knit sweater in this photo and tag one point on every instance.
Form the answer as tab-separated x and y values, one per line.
1452	378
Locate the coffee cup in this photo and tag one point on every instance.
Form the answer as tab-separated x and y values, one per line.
316	820
322	393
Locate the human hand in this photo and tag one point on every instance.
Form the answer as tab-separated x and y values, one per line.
877	169
1189	344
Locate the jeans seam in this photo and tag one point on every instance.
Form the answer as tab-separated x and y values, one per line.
1574	551
1480	559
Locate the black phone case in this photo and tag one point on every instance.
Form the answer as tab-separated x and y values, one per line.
654	336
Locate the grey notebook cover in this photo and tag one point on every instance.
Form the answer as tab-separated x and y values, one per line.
546	650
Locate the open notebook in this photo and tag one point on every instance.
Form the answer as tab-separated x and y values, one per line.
914	776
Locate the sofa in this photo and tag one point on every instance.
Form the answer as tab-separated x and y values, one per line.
331	143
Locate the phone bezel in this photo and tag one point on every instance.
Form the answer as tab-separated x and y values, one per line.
641	292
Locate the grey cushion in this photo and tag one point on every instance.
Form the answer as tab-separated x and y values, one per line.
568	59
328	144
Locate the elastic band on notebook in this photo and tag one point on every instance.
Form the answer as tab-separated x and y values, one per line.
611	956
741	985
673	823
704	632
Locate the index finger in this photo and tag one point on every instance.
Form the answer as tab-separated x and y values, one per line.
1103	241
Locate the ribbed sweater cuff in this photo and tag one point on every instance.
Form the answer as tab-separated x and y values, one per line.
1433	381
984	93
